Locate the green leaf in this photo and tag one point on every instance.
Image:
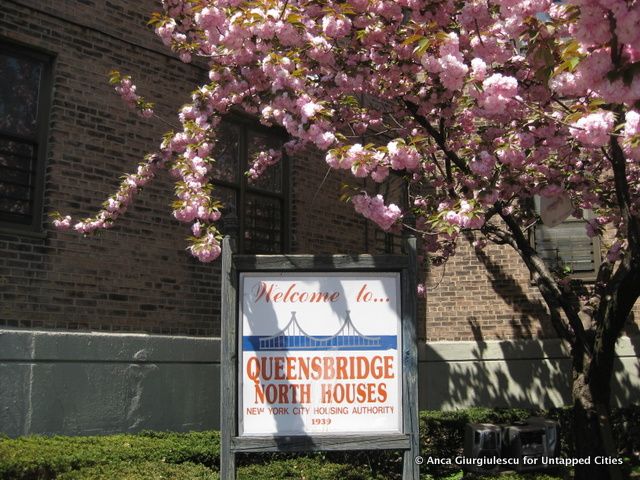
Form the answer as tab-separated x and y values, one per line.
412	39
573	63
573	117
422	47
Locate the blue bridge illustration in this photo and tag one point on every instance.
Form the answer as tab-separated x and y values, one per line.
293	337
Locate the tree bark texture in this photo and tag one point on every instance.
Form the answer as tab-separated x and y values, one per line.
592	431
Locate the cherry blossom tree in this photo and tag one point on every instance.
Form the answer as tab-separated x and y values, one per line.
479	105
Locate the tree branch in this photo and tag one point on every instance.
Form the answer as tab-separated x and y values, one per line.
437	136
497	236
547	285
619	166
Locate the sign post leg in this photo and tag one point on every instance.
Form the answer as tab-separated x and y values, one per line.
410	469
227	466
228	364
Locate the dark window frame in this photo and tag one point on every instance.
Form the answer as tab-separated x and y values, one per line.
38	141
242	187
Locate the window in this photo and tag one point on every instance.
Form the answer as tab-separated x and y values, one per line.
566	247
261	205
24	101
387	242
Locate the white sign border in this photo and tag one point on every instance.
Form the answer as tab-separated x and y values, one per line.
346	273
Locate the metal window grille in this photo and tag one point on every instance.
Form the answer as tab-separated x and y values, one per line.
24	101
261	205
566	247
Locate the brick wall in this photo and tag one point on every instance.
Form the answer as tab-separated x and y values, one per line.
321	223
484	295
488	295
137	276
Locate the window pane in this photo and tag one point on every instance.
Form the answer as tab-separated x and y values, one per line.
566	245
271	179
225	153
19	91
263	225
17	176
387	242
227	196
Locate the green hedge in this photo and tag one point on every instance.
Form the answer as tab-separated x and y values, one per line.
196	455
306	468
142	471
37	457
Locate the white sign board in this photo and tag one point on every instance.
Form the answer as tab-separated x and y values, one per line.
319	353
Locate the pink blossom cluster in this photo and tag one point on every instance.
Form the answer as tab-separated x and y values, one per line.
374	209
193	191
594	129
466	217
165	31
376	161
594	37
206	248
360	160
127	91
117	204
483	164
62	223
308	108
513	157
630	140
497	94
262	161
449	65
402	156
470	101
336	26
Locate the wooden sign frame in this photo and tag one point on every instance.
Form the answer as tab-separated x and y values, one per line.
231	443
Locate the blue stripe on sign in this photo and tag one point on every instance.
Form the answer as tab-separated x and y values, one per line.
262	343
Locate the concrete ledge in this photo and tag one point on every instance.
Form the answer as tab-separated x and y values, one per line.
83	383
521	373
96	383
472	351
55	346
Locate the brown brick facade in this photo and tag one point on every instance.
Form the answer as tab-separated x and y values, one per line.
488	295
137	276
485	295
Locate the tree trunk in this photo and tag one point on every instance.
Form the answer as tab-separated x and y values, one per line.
592	433
593	339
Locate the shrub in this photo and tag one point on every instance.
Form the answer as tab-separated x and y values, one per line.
196	455
43	458
306	468
142	471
